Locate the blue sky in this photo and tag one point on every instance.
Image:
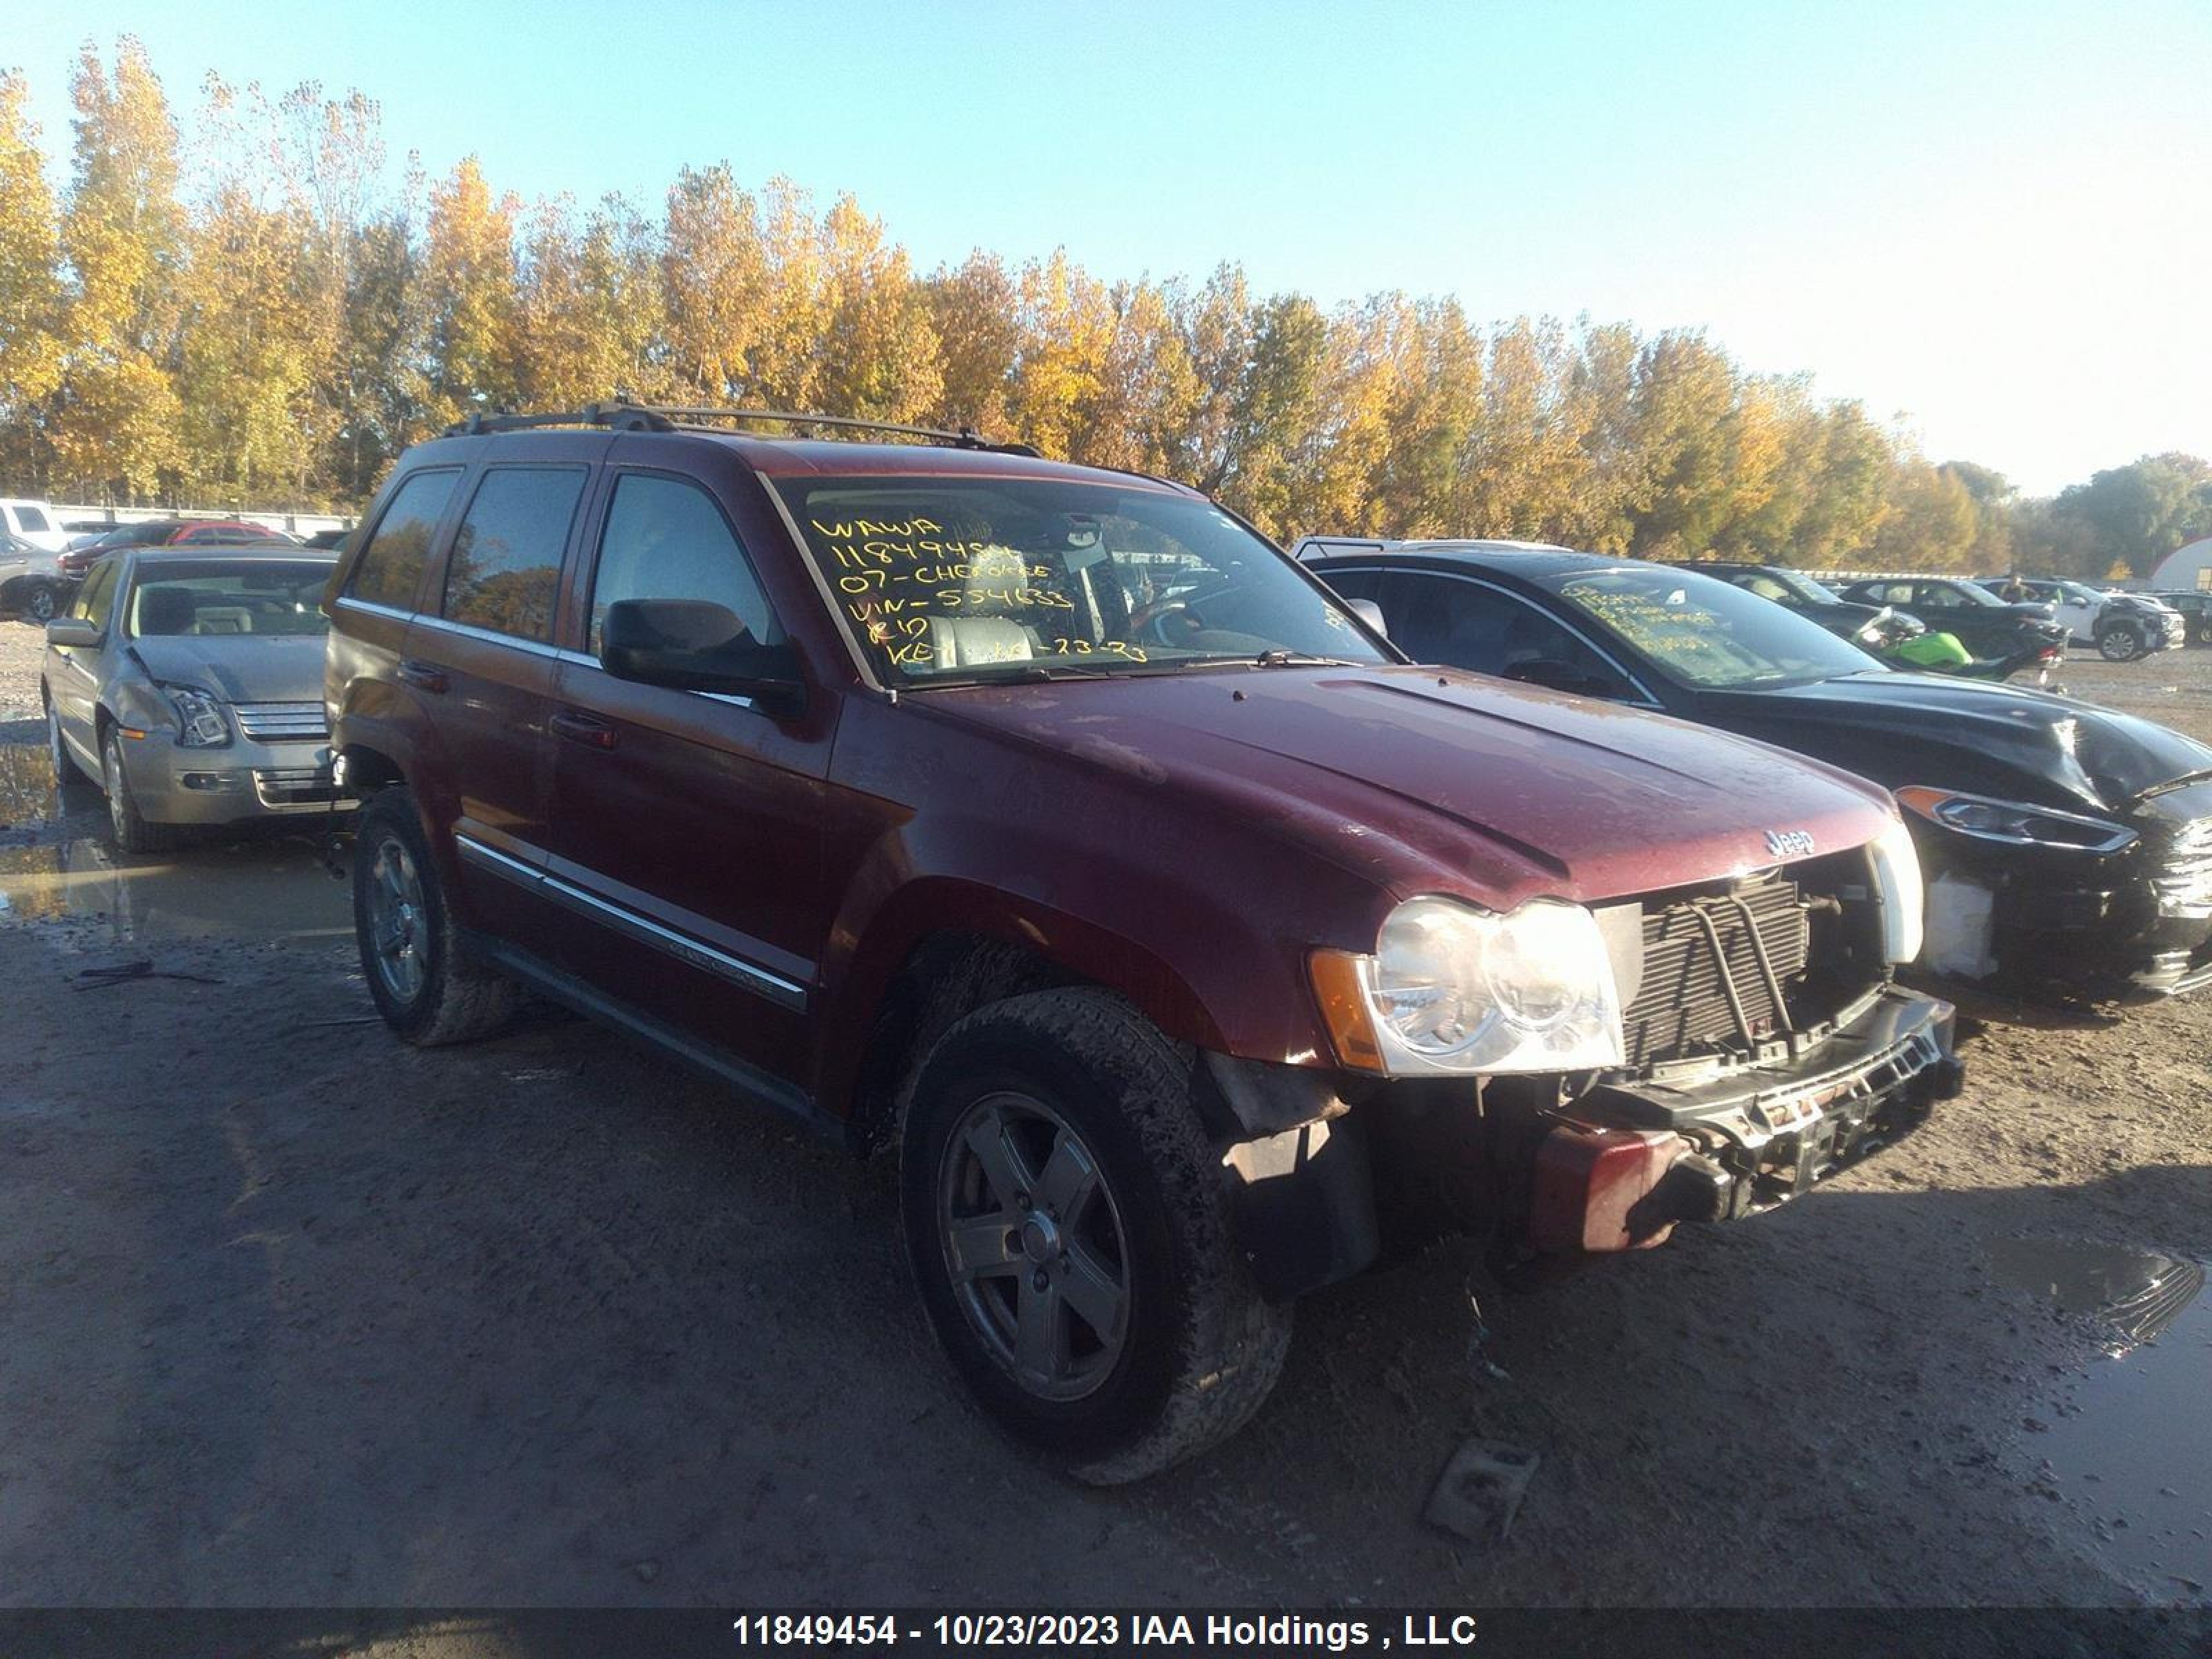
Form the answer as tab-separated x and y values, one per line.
1991	219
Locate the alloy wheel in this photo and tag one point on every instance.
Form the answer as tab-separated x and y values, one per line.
1034	1245
111	779
399	922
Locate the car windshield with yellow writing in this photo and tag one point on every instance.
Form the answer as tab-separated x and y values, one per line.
942	579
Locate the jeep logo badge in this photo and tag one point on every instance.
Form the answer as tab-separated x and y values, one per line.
1789	843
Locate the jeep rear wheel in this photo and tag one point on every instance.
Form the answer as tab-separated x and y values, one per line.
1067	1224
419	971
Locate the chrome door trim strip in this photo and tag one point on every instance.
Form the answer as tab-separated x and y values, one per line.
498	863
785	993
488	636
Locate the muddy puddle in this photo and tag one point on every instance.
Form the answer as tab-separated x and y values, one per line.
2130	1447
58	866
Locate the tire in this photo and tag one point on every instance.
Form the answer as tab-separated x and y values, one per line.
131	830
1074	1094
2119	645
419	973
66	770
42	604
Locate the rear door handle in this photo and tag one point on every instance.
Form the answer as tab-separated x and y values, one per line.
424	676
586	729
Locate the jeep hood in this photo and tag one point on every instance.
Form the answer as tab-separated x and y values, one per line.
1993	738
240	667
1437	780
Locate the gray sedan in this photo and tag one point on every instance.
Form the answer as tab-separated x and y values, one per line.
188	684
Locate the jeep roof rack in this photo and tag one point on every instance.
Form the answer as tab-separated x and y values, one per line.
623	416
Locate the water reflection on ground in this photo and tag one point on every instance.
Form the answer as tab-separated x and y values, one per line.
2131	1445
57	865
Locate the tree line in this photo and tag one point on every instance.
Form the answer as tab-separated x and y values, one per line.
274	335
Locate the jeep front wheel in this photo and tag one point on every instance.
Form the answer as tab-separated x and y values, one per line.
419	971
1068	1228
2119	645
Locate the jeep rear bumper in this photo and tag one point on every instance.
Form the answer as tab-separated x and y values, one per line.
1625	1162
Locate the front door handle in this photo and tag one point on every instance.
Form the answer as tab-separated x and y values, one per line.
586	729
422	675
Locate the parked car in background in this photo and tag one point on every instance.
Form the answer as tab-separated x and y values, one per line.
187	684
328	539
30	583
32	522
1050	823
1981	621
1874	627
171	532
2194	607
2068	848
2122	625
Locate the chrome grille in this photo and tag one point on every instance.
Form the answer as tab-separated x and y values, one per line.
281	722
1683	1004
2183	882
280	786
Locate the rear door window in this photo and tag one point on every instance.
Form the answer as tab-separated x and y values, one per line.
30	519
391	567
666	539
505	571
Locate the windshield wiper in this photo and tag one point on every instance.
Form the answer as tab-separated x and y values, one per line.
1276	657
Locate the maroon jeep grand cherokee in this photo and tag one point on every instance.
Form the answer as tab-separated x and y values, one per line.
1049	825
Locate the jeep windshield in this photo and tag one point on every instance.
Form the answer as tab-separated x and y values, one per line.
941	580
1709	635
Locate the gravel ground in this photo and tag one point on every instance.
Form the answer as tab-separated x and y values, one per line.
293	1314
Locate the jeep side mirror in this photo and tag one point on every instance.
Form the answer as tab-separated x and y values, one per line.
71	630
691	645
1371	614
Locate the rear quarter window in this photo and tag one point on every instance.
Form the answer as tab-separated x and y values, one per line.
391	567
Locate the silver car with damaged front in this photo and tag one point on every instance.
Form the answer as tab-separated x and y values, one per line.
187	684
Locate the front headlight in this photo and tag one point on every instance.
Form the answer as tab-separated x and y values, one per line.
1898	885
1460	991
2015	824
199	718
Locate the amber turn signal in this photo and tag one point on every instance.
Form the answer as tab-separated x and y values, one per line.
1344	1010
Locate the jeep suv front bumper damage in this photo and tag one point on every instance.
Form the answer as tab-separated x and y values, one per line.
1614	1168
1628	1160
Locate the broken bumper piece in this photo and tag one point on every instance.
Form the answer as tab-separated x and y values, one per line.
1629	1160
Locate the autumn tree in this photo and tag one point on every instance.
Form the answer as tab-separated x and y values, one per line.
279	319
714	275
1065	318
116	420
877	351
256	337
469	290
31	338
590	314
1278	406
1932	523
974	312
